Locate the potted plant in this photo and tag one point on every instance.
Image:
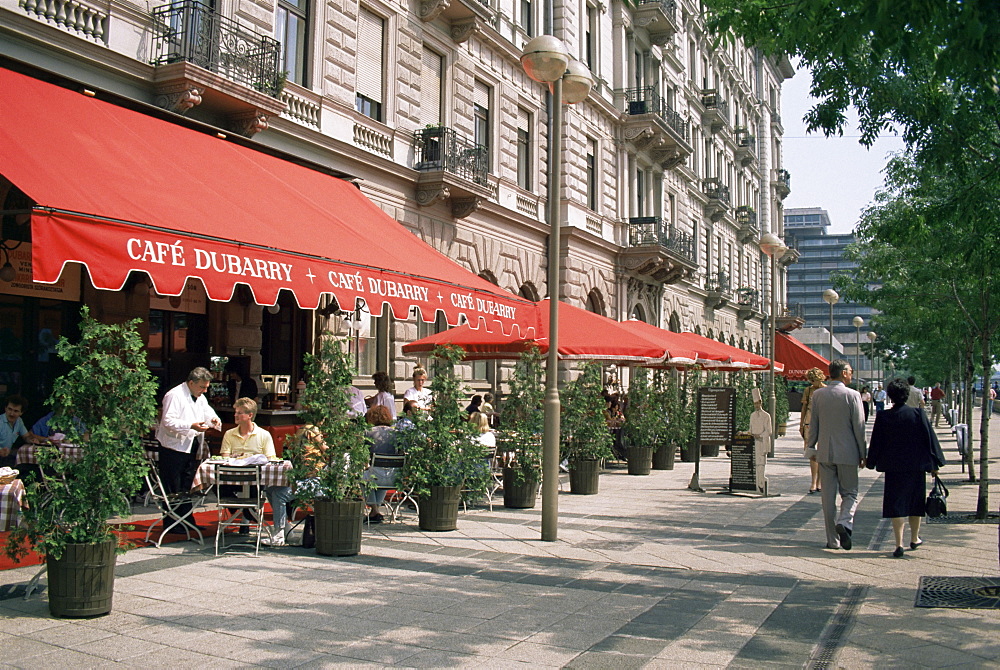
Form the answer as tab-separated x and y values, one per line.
665	394
334	482
585	436
523	421
443	456
643	423
105	404
781	404
683	428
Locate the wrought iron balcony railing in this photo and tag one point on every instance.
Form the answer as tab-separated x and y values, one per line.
748	298
713	101
441	148
784	178
669	7
715	190
192	32
650	230
717	282
645	100
744	138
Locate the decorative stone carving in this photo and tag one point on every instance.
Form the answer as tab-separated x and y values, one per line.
667	158
431	9
463	30
179	100
248	124
432	193
462	207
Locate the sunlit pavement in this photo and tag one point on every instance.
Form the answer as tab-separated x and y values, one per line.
645	574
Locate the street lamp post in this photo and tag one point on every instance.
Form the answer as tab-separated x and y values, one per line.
871	338
546	60
831	297
772	246
858	322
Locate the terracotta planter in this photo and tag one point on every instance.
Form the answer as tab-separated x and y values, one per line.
338	527
439	511
640	460
664	457
82	582
521	495
584	477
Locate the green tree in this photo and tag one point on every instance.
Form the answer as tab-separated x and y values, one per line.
644	425
523	417
584	432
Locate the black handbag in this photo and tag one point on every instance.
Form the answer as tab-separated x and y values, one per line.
937	499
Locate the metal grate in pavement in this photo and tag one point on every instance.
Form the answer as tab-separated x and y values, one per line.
959	592
835	634
964	517
882	533
608	545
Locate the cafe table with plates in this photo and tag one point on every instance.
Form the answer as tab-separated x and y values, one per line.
272	473
27	454
11	501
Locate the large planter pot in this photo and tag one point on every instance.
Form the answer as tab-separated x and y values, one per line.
782	429
584	477
709	450
439	511
519	495
687	452
640	460
338	527
82	582
663	458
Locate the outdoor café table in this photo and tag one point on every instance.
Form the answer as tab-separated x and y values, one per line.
27	454
274	473
10	503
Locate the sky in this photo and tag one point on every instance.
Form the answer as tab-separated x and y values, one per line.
837	174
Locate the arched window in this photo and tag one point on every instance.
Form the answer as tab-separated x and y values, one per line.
697	331
595	303
638	313
528	291
489	276
675	323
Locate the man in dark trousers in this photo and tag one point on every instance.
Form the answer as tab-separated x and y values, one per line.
837	432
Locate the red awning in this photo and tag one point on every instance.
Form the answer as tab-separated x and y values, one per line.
797	357
681	353
583	335
736	359
118	190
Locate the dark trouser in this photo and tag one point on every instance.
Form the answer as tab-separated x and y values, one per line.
177	470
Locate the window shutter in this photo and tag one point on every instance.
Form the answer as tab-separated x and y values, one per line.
430	87
522	119
481	95
370	57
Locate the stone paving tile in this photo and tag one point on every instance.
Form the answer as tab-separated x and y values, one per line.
379	651
59	659
542	654
116	647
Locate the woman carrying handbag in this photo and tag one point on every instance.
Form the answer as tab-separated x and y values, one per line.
904	446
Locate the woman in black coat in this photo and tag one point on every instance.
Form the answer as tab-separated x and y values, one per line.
905	448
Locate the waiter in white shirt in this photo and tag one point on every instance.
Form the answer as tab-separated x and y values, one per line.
181	432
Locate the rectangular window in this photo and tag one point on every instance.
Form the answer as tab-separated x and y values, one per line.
290	24
481	118
527	18
592	185
523	149
590	39
640	192
430	87
371	59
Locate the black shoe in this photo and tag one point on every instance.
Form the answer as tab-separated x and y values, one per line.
845	536
898	553
244	530
309	533
374	518
914	545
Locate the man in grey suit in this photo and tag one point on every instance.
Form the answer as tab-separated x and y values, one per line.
837	432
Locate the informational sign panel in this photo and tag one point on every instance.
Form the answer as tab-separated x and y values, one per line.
716	416
747	466
67	288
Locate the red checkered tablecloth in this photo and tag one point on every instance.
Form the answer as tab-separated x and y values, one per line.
28	453
271	474
10	503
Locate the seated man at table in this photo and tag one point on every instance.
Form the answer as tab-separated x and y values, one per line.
11	428
246	439
382	436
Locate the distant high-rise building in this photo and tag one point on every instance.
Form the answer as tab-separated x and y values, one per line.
820	255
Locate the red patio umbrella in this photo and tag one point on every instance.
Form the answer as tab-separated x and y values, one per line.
736	358
797	357
583	335
682	352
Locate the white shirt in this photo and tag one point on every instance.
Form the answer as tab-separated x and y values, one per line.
357	402
386	400
180	411
421	398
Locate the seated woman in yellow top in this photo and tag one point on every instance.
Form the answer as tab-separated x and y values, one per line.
247	438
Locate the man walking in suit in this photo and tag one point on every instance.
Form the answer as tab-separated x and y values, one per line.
837	432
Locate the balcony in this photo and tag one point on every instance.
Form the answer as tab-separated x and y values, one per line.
658	17
651	125
746	146
451	167
658	250
790	318
465	17
746	221
204	58
782	183
719	293
718	198
748	303
716	114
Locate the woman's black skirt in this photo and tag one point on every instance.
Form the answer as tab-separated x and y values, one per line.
905	494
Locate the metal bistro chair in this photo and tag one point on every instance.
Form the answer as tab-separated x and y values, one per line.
399	497
169	504
493	484
246	476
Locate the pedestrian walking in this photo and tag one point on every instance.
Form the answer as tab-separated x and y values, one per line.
837	432
915	397
905	448
816	378
937	400
879	398
866	401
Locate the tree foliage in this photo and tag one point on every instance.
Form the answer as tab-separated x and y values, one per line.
584	432
523	416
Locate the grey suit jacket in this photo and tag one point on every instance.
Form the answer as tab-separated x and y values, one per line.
837	428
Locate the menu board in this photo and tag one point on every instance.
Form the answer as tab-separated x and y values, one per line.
745	468
716	416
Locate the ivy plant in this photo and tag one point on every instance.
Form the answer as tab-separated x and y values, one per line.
335	473
105	403
524	418
584	432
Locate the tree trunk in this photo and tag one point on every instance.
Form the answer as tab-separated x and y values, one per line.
970	379
983	504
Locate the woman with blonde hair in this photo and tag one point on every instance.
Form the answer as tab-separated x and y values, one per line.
816	378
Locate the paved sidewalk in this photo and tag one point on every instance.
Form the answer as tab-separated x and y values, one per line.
645	574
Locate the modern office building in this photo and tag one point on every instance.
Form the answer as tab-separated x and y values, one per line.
821	254
672	167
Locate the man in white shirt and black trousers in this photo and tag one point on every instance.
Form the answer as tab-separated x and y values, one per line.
181	432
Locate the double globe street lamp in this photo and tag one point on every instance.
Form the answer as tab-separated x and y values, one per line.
858	322
546	60
831	297
772	246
